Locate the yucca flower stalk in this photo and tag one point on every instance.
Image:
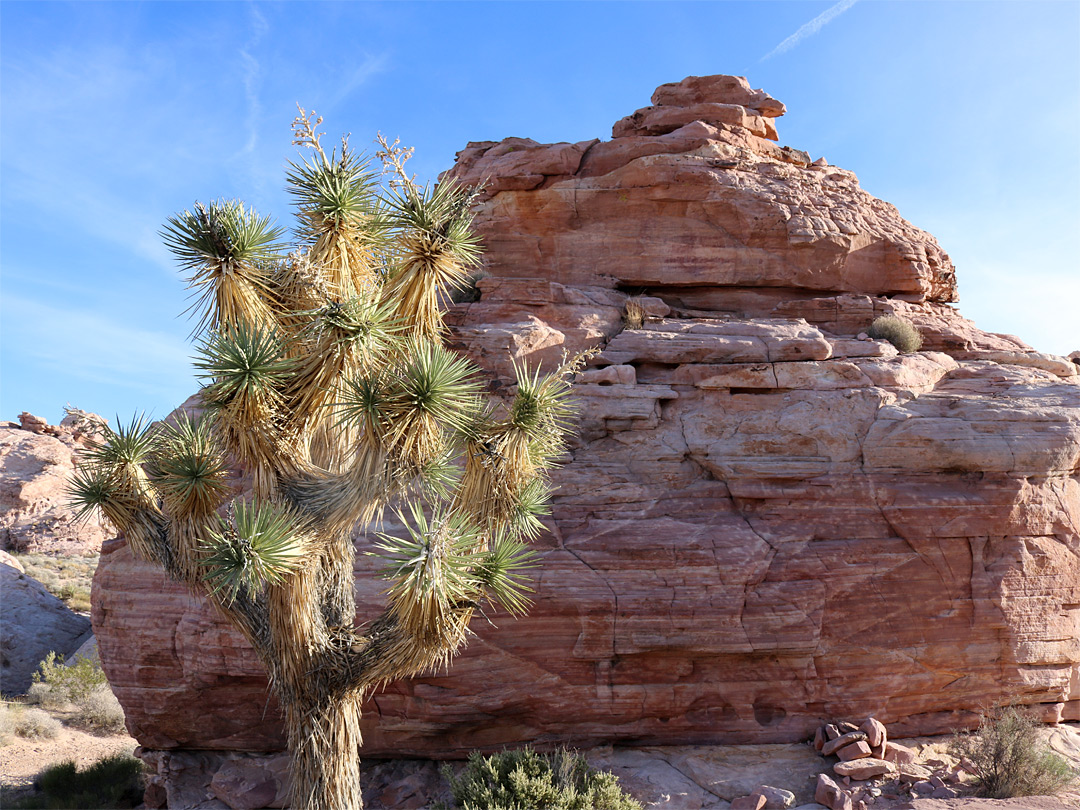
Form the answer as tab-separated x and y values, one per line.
326	379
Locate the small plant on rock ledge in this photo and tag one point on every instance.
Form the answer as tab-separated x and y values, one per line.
326	376
898	332
634	315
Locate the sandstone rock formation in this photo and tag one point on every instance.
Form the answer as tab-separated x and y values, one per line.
36	461
33	624
766	522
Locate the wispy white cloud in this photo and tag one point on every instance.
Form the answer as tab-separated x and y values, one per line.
811	28
252	72
371	66
93	346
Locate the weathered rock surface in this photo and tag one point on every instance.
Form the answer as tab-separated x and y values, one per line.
765	521
33	624
36	462
661	778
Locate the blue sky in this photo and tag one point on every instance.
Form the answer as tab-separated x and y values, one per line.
965	115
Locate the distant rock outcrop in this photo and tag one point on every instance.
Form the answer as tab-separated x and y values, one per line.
766	522
36	462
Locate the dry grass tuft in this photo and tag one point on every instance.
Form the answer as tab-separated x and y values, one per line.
634	315
898	332
29	723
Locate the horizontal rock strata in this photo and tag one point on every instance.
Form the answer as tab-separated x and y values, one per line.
765	521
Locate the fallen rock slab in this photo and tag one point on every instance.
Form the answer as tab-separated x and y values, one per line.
861	769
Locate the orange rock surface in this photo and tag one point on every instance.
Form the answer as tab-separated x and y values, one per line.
764	522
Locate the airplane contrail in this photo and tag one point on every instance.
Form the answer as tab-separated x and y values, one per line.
811	27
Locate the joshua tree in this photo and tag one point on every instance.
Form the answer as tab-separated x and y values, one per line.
325	377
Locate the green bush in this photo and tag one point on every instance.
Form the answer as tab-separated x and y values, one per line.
1009	759
71	682
525	780
899	333
111	783
80	686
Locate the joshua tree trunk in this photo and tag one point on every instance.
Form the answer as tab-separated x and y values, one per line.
327	380
324	744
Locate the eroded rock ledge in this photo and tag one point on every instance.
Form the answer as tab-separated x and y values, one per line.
765	520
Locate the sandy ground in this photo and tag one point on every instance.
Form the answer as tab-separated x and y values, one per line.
22	759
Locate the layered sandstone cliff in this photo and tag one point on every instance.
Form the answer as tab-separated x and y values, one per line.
765	521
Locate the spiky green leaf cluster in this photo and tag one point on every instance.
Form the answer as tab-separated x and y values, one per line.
533	502
242	362
439	477
223	231
439	220
89	489
332	191
365	323
129	445
542	403
416	404
436	381
110	474
262	545
500	571
430	569
188	467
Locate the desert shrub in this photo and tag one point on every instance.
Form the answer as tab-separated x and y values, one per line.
899	333
113	782
7	724
99	711
634	315
36	724
70	682
80	686
1009	759
42	694
522	779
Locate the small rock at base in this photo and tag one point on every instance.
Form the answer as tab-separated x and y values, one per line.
831	794
875	732
860	769
847	739
857	750
900	754
923	787
755	801
819	738
776	798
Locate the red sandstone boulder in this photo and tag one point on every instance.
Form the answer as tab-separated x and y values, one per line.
765	521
